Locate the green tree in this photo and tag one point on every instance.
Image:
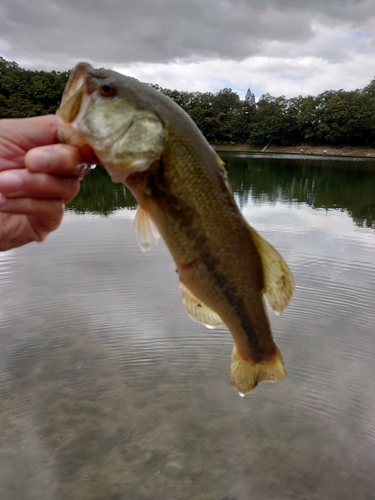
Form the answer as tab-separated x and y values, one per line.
271	121
29	93
226	110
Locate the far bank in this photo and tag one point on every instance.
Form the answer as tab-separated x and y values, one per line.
302	148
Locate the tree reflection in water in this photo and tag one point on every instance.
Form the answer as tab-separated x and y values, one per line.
341	184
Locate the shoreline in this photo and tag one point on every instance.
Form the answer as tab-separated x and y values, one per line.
306	149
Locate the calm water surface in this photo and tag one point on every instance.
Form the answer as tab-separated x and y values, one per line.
109	391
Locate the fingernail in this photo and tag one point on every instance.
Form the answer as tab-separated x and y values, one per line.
39	159
10	182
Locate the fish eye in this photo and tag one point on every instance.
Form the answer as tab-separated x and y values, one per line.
107	90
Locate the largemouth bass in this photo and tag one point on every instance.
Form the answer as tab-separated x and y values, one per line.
148	142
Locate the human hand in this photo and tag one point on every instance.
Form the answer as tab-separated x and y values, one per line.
37	177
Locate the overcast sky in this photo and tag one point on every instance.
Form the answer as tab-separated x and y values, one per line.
285	47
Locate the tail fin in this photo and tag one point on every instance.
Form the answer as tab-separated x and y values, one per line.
245	375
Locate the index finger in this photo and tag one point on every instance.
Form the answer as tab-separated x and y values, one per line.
30	132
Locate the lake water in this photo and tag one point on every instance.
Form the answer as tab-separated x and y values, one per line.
109	391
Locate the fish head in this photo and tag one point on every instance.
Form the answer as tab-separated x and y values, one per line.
108	111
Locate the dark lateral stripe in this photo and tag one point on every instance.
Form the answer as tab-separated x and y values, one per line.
241	310
258	353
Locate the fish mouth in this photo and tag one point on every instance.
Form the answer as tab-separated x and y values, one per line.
75	89
74	103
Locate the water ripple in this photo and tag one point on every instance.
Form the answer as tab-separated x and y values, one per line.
101	368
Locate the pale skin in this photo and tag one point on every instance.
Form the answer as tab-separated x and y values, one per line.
37	177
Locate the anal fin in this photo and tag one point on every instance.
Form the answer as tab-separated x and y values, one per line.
198	311
146	230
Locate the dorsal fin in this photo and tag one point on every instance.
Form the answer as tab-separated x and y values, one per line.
278	280
222	168
218	160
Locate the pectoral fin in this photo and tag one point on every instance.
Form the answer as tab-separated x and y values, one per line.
146	230
278	280
198	311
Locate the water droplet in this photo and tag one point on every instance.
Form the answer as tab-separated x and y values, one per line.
241	394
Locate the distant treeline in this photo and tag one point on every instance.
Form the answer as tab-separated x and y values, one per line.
333	117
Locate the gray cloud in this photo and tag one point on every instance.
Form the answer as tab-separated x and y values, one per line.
58	33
